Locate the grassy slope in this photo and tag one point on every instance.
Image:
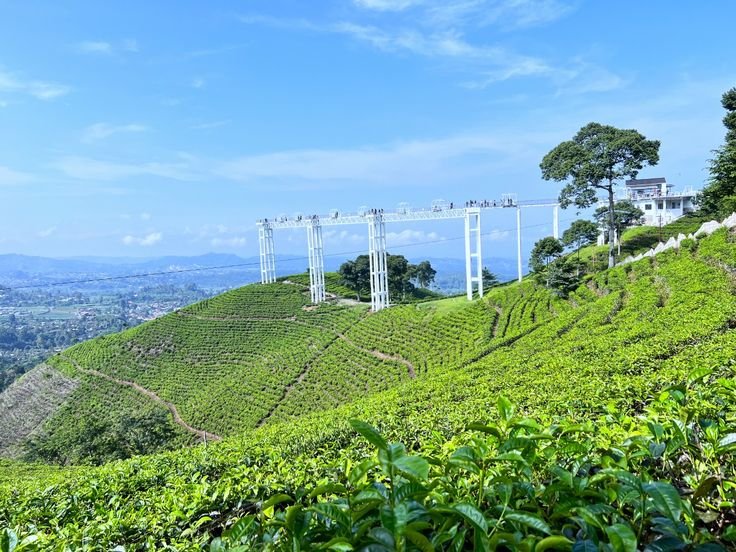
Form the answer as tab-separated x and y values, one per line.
627	334
641	238
247	358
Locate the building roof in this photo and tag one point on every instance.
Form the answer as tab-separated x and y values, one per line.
646	181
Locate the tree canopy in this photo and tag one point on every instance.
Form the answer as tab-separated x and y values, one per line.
489	278
544	252
424	274
581	233
594	160
625	215
356	275
719	196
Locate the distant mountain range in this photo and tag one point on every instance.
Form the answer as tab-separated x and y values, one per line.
223	270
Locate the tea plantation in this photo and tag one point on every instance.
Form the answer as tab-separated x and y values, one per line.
605	421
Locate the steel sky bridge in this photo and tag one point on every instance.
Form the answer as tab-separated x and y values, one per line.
376	220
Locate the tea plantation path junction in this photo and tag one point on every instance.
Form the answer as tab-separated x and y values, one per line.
376	220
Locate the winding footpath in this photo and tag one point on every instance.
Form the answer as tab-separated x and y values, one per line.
204	435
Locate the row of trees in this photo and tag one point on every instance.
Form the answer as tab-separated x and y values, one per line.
719	196
403	277
563	274
599	156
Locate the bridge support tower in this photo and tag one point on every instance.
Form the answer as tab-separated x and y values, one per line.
267	256
316	262
473	257
378	262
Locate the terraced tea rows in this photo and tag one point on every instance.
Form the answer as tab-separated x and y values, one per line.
627	337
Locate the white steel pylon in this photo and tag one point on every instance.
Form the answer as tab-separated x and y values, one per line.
473	258
316	262
377	261
268	258
518	242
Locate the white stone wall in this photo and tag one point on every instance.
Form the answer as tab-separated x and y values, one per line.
705	229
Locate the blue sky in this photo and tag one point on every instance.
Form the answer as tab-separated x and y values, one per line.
149	128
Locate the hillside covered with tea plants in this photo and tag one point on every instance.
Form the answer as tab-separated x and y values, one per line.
603	421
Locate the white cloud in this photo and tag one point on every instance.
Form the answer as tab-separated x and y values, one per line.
238	241
411	237
415	162
344	236
46	232
105	48
497	235
94	47
198	82
100	131
506	14
436	40
210	125
387	5
10	177
130	45
145	216
145	241
85	168
41	90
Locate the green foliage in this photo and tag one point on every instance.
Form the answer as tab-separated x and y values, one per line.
356	276
718	198
518	484
625	215
580	233
613	398
424	274
489	279
544	252
596	157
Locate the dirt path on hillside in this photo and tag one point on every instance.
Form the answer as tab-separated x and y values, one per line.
300	378
499	310
204	435
381	356
373	352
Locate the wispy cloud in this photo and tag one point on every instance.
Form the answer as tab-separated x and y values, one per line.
198	82
47	232
411	237
147	240
441	33
94	47
412	162
41	90
387	5
105	48
497	235
505	14
10	177
210	125
234	242
100	131
85	168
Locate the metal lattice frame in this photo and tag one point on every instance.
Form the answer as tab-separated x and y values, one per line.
378	262
316	262
518	242
473	256
376	220
267	256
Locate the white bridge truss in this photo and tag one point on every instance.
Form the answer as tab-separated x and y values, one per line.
376	220
268	257
316	262
473	256
377	259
